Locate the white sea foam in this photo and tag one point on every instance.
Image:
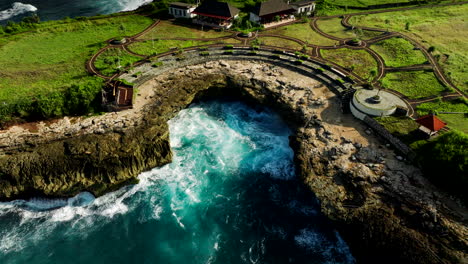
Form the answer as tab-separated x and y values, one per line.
183	183
178	219
129	5
157	211
16	9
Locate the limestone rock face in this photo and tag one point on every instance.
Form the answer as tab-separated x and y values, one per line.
384	208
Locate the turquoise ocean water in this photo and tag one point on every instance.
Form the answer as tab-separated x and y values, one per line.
229	196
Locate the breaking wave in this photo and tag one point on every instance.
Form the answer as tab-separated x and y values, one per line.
229	196
16	9
129	5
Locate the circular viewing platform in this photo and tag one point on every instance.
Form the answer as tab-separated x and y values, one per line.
375	103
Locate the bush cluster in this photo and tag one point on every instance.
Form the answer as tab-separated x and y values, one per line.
444	161
79	99
28	23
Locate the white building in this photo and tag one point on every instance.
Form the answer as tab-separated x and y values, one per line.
178	9
305	7
375	103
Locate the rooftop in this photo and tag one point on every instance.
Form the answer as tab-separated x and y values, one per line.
181	5
302	3
431	122
271	7
216	9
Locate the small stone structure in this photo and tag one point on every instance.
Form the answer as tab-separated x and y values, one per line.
375	103
117	96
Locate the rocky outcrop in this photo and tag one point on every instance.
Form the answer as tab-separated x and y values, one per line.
385	209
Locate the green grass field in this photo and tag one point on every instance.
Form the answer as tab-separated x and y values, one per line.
167	29
53	59
304	32
414	84
402	127
279	42
332	26
455	121
110	61
358	61
398	52
444	28
149	47
363	3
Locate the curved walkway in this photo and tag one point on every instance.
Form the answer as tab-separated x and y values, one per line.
436	68
313	50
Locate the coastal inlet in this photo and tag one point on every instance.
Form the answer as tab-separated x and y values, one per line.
230	195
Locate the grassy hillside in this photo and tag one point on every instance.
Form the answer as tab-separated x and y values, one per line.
443	28
52	58
414	84
357	61
398	52
364	3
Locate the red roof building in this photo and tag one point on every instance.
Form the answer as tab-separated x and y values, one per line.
215	14
266	12
431	122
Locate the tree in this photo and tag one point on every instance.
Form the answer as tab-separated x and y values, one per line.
444	161
82	97
50	105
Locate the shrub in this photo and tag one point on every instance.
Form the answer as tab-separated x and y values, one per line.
407	26
229	47
84	97
50	105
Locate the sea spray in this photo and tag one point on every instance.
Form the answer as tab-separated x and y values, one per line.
229	196
16	9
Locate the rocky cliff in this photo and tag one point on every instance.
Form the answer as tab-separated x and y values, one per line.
385	209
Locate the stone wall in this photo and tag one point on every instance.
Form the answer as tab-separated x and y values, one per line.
381	131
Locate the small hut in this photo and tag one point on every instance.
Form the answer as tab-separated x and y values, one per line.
117	96
430	124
